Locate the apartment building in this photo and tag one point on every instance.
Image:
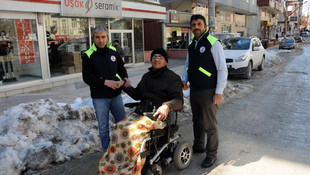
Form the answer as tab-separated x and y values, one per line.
265	24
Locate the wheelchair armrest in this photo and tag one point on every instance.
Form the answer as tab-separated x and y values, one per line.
131	105
150	115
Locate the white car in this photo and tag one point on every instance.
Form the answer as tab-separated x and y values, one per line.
243	54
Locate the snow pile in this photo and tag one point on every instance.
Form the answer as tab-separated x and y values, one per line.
33	135
237	90
277	57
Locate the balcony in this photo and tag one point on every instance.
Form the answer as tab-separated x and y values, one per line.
272	5
238	6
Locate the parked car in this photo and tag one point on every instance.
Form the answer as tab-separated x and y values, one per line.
222	36
298	39
288	43
243	54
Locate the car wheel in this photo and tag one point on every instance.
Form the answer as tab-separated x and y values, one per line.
248	73
182	155
260	67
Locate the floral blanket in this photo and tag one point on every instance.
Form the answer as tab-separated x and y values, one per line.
123	154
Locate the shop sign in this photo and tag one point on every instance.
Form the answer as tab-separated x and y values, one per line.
265	23
151	1
228	17
184	30
178	29
180	18
168	29
24	42
92	8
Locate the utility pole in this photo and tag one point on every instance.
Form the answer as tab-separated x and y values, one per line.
299	15
307	19
211	15
285	27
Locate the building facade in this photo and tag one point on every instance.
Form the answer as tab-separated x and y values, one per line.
232	16
266	23
42	40
176	27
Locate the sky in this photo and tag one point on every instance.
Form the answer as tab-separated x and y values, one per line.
36	134
305	7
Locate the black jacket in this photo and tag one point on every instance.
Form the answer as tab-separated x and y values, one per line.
202	72
100	65
161	86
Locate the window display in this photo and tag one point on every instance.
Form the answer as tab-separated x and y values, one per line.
67	39
177	37
19	51
138	40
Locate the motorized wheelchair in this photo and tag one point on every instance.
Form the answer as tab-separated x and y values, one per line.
163	146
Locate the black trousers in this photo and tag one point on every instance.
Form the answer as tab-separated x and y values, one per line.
1	71
7	63
204	119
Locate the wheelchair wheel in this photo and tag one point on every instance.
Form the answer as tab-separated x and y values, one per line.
154	170
182	155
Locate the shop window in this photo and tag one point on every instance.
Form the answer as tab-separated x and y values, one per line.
67	39
226	28
240	20
101	22
138	41
19	51
122	32
177	37
121	24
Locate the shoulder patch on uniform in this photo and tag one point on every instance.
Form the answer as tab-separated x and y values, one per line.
89	52
211	39
109	45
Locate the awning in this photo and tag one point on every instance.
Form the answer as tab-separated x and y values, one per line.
130	9
143	10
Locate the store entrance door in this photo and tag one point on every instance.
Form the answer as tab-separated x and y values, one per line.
126	43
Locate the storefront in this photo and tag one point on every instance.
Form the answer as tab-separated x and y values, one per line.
42	43
177	34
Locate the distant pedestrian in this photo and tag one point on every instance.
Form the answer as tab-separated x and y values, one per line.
277	37
118	48
206	71
103	70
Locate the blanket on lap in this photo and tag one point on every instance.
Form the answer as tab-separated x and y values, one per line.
123	154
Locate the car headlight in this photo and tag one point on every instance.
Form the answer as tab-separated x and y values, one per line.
241	58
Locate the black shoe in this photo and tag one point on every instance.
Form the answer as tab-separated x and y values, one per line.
198	150
208	162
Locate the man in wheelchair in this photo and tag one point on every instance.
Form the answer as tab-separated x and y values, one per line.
160	93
